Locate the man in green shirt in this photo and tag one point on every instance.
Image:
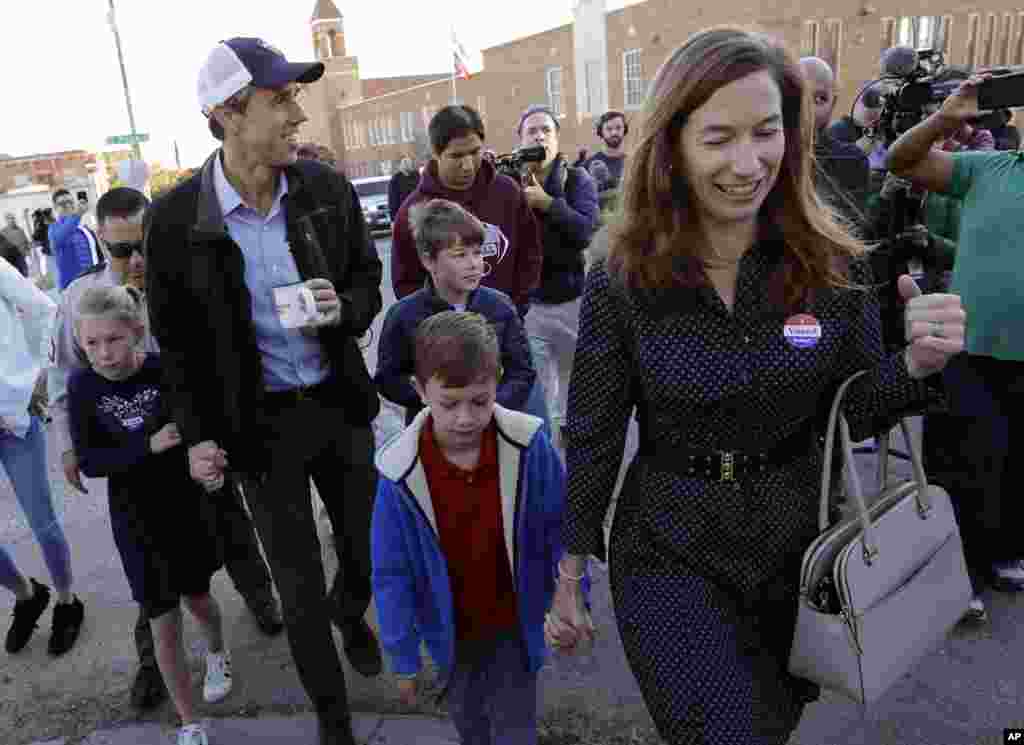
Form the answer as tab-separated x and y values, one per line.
985	385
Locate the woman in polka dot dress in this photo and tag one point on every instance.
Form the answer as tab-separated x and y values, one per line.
730	309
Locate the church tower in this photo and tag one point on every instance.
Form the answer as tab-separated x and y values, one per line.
340	83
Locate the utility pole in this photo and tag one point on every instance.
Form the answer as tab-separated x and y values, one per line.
124	79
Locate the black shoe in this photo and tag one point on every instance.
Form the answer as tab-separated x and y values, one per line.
362	649
148	690
67	622
268	618
26	617
335	730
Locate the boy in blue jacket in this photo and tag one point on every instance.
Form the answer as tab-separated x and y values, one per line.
466	537
449	241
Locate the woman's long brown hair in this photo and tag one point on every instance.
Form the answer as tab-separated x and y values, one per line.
655	241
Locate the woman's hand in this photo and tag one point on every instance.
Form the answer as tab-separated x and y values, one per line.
568	627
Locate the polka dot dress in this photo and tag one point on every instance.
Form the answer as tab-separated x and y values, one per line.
704	573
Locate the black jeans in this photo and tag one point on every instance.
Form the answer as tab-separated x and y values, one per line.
968	451
310	439
242	560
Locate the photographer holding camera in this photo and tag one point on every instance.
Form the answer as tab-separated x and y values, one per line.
564	202
984	383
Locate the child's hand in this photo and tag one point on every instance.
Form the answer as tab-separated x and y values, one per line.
165	439
407	691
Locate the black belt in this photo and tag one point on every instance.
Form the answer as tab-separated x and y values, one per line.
727	465
294	396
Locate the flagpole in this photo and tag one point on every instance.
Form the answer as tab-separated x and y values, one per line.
455	97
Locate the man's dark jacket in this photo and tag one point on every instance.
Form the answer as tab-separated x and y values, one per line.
201	311
566	229
395	353
402	184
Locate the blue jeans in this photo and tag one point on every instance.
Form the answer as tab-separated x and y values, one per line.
24	460
492	699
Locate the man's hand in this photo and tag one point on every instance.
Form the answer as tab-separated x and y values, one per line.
207	464
69	462
536	197
328	305
963	104
165	439
407	691
934	327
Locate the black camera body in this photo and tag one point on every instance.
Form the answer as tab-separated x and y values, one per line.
511	164
916	85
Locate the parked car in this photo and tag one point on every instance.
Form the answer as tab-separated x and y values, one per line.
373	196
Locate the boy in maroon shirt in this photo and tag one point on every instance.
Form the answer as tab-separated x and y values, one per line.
466	537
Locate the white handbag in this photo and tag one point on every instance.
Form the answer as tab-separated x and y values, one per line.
898	576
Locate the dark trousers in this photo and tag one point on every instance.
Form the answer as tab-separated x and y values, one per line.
242	560
967	451
310	439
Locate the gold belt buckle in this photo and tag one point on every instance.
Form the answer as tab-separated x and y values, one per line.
728	461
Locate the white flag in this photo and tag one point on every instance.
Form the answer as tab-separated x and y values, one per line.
467	63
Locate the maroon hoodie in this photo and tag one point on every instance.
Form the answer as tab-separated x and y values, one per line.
512	248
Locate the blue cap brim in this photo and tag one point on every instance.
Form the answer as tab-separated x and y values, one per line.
292	72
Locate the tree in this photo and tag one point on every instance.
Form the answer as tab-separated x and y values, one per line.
164	179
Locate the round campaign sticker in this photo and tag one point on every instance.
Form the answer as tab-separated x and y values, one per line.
802	331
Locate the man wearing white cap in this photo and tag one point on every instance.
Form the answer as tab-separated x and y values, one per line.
260	384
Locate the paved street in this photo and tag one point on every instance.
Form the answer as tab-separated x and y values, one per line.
962	694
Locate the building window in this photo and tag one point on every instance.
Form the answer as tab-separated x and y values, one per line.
1018	41
973	44
809	40
554	88
405	126
632	77
888	33
991	27
593	87
832	45
1006	40
392	131
946	36
481	108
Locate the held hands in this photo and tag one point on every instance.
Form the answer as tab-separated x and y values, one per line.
167	438
934	328
327	304
207	464
536	197
568	627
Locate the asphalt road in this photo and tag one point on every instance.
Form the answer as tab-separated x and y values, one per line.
964	693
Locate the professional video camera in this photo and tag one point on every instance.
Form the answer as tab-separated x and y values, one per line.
915	81
511	164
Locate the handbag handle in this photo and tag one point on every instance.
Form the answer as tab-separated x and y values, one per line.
853	478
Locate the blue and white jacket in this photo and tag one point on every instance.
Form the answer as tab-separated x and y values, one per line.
410	576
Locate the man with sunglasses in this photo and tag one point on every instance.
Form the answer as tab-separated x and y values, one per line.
120	216
74	246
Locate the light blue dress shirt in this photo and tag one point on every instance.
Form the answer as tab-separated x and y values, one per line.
290	358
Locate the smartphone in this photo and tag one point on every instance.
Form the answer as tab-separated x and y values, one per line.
1001	92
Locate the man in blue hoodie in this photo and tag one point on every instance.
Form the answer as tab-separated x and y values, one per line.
73	245
564	202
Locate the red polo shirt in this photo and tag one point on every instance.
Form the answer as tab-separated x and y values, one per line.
467	505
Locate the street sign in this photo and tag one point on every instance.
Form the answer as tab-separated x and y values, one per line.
127	139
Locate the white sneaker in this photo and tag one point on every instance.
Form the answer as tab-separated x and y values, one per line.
217	684
192	734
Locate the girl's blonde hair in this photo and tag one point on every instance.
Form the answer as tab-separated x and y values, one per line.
111	304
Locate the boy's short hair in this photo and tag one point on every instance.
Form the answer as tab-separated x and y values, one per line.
438	223
460	348
122	202
117	303
453	122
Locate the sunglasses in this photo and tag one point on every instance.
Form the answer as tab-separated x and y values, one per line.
124	249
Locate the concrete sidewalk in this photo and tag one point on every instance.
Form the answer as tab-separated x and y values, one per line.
270	730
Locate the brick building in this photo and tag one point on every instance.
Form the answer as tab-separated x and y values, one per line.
604	60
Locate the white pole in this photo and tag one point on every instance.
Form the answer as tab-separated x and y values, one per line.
124	80
455	98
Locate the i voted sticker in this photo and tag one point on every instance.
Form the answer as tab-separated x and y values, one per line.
802	331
